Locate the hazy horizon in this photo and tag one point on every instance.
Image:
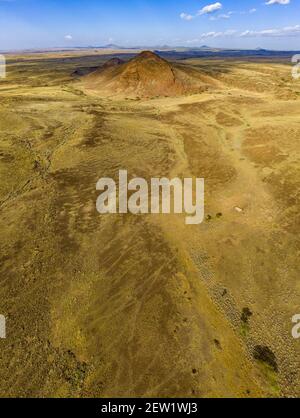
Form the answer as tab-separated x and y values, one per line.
138	47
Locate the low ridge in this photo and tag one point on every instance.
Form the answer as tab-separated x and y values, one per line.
113	62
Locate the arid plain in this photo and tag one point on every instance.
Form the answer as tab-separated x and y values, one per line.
125	305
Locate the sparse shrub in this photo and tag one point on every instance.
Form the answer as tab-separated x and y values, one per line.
246	315
265	355
217	344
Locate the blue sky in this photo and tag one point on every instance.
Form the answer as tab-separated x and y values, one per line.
228	23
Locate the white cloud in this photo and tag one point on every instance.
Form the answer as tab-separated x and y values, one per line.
213	34
287	31
270	2
68	37
213	8
210	8
186	16
222	16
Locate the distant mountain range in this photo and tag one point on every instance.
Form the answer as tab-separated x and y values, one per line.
166	50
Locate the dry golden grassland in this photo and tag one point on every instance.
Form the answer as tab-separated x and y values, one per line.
128	305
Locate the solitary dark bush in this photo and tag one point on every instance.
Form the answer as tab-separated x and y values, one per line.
246	315
264	354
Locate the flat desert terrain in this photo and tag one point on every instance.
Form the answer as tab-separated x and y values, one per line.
144	305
